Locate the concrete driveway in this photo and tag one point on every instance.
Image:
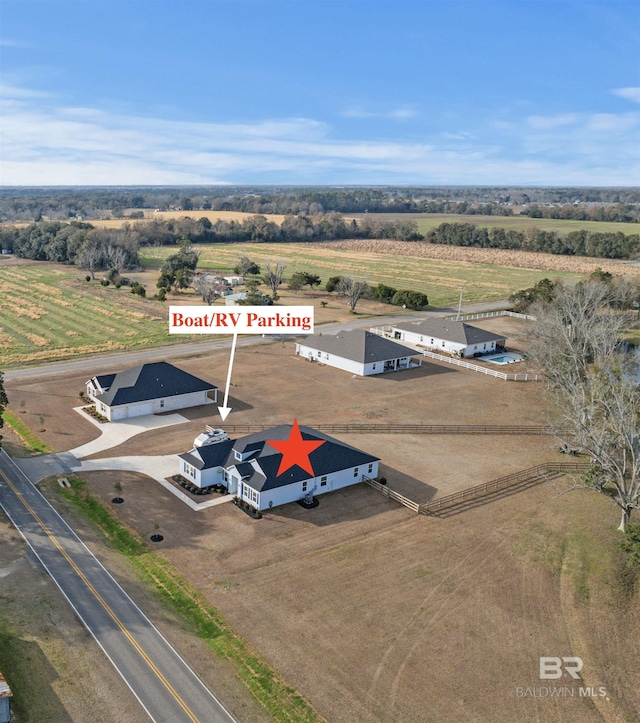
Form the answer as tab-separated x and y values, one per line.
114	433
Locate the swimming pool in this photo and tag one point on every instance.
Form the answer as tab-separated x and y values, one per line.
507	358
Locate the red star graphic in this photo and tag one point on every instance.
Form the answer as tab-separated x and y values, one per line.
295	450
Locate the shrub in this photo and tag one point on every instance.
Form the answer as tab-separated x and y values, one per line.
118	284
333	283
138	289
410	299
162	294
87	278
104	282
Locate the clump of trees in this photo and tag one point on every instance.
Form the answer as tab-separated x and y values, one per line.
300	279
577	243
593	383
386	294
177	270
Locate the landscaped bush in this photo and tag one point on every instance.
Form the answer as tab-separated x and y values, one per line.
93	412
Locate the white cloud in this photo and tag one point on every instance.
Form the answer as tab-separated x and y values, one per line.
46	143
549	122
632	94
402	113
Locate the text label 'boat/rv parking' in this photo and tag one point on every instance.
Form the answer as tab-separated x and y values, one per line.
242	320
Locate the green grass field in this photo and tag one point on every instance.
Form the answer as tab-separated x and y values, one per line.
46	315
439	279
427	221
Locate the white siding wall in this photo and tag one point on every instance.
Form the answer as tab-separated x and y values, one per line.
202	478
179	401
331	359
294	492
444	345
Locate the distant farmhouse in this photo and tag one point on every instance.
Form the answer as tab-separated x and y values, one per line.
359	352
148	389
455	337
248	467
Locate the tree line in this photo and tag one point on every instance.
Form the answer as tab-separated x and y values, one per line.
610	245
93	248
69	242
33	204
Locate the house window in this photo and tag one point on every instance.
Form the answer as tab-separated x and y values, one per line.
319	353
421	339
484	346
162	403
443	343
355	472
304	486
370	469
237	455
432	341
374	366
323	481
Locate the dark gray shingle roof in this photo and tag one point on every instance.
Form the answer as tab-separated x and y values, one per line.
330	457
151	381
450	330
358	345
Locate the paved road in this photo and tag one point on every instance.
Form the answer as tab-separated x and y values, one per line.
163	683
138	356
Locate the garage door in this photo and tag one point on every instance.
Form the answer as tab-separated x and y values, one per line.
139	409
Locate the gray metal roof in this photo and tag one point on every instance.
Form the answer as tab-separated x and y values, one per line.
358	345
151	381
450	330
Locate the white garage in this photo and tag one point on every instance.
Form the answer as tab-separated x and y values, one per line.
148	389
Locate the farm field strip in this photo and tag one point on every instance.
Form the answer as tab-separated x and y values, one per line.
427	221
42	319
424	221
439	279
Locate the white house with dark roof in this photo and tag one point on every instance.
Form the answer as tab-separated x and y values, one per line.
248	467
359	352
148	389
454	337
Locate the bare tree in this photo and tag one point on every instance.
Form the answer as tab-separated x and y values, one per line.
352	289
273	276
208	287
89	258
594	386
246	266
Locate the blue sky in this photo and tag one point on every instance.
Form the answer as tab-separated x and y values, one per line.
126	92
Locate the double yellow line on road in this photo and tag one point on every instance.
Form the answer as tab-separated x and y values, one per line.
192	717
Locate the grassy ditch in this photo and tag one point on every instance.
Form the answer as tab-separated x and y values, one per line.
30	439
282	701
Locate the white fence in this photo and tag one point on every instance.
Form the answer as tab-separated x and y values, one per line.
489	314
482	370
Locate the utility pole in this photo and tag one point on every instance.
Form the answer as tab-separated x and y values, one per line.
460	304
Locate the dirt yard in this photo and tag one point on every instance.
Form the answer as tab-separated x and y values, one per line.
371	612
273	386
